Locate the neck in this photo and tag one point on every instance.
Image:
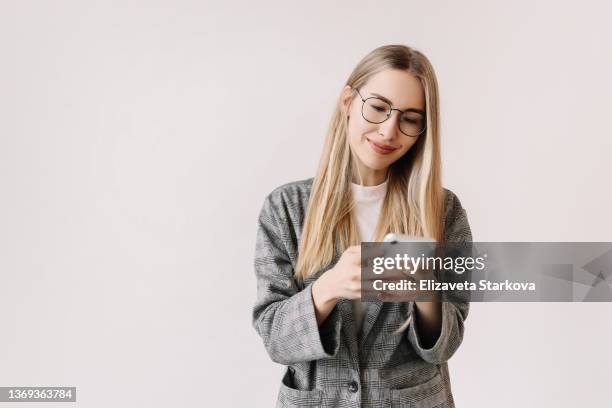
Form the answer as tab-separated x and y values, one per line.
369	177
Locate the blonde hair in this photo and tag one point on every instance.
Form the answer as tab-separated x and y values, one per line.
413	202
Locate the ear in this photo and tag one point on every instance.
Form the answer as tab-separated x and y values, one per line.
345	99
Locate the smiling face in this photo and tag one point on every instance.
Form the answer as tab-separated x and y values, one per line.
377	146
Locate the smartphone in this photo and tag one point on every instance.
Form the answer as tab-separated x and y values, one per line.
394	238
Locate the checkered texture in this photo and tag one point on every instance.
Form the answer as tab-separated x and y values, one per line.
329	366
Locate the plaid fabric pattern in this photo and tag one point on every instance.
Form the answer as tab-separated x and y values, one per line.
329	366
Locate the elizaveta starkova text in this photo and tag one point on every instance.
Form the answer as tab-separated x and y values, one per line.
430	284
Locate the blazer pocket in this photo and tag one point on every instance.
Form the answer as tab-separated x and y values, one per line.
429	394
292	397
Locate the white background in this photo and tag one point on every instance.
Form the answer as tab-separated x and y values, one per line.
138	140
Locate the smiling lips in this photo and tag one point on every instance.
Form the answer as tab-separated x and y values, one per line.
381	149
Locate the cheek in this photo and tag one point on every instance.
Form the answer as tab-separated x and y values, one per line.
357	133
407	145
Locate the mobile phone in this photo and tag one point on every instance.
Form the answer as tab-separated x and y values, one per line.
394	238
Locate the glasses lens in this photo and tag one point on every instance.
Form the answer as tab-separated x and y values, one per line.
412	123
376	110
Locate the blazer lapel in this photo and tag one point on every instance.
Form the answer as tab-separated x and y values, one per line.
371	312
356	340
345	307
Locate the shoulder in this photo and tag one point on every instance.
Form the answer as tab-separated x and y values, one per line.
288	201
452	204
456	225
294	191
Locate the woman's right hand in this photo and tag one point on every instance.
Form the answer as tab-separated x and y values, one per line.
343	281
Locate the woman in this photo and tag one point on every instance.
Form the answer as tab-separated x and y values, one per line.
379	173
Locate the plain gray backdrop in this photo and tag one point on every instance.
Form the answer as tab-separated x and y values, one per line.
138	140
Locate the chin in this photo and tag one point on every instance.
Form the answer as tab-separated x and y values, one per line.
377	164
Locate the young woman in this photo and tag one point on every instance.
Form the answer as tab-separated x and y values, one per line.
379	173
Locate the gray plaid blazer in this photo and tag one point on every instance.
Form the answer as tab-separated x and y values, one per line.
331	365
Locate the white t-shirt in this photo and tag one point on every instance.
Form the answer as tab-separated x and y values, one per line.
368	202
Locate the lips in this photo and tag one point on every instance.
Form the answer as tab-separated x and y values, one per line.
381	149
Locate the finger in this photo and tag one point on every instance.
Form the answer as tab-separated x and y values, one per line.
355	285
384	296
373	250
424	274
397	274
368	260
355	248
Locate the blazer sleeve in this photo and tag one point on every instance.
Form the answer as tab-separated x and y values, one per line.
456	229
283	315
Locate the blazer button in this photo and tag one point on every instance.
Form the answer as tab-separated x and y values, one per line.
352	386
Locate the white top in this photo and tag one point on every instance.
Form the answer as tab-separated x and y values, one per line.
368	202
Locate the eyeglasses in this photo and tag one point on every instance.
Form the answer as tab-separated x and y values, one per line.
376	110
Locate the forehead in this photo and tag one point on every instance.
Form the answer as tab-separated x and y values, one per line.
400	87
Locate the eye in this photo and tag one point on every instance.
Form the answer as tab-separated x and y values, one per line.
378	105
412	119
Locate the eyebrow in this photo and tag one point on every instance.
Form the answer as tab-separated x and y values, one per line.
390	103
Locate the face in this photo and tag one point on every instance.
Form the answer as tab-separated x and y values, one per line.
377	146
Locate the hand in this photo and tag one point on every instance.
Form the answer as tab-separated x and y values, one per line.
343	281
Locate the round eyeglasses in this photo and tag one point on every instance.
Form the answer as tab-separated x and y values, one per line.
377	110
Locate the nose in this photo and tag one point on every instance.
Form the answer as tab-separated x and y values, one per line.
390	127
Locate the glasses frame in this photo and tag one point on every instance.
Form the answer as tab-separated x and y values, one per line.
390	112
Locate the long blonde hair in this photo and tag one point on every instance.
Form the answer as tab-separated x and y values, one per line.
413	203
